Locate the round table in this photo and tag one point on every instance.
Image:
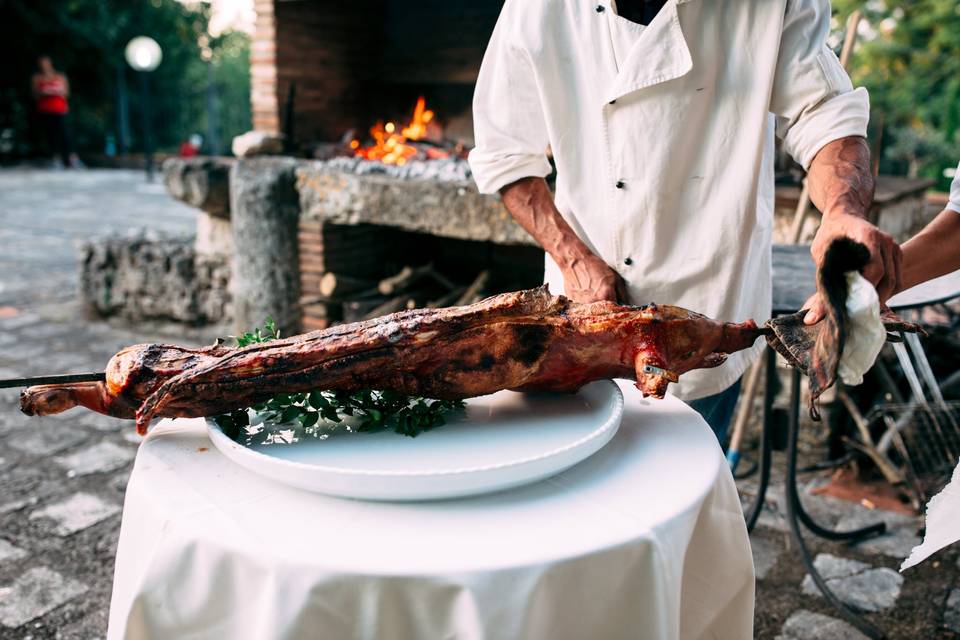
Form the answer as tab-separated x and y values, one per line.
645	539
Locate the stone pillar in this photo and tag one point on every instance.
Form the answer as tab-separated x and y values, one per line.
203	183
265	210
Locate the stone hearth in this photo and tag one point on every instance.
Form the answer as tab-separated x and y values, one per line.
448	209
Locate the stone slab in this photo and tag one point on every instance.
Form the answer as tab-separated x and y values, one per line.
201	182
765	555
807	625
34	593
900	538
13	506
76	513
9	552
46	438
856	583
97	458
451	209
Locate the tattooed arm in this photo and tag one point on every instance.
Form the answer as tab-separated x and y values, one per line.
841	186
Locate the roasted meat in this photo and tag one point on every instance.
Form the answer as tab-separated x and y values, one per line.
528	340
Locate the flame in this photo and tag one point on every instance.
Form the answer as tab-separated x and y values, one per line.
389	146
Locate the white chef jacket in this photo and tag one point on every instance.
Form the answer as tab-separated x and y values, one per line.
954	203
663	138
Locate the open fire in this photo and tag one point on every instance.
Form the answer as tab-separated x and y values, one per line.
391	144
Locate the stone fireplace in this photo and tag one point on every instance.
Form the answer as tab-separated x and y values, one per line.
322	69
323	75
313	244
367	229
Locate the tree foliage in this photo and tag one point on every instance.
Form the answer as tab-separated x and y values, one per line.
908	57
86	40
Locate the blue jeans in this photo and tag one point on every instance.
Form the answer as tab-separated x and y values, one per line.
717	409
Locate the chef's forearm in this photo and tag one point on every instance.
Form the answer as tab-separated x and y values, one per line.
841	186
530	202
840	178
933	252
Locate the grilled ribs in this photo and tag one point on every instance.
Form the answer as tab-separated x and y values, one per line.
527	340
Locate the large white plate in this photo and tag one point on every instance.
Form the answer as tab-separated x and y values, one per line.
502	440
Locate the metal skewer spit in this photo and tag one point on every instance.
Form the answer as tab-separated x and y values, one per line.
97	376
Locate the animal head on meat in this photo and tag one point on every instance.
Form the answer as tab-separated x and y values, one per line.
670	341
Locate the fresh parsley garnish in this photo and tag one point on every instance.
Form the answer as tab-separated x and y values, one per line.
314	413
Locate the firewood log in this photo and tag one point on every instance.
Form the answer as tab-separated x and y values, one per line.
336	285
403	280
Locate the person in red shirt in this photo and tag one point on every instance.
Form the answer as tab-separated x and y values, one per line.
50	91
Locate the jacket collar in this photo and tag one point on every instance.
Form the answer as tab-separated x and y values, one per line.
660	54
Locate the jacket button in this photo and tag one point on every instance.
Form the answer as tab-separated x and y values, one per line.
600	8
620	184
628	261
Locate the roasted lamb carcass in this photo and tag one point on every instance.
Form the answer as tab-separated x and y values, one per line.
528	340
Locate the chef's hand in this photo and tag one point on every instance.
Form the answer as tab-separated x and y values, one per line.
587	278
883	270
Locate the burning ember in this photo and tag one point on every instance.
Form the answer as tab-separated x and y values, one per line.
390	146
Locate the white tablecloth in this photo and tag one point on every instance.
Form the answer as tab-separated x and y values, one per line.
645	539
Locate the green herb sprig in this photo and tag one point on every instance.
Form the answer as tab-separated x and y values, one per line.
368	410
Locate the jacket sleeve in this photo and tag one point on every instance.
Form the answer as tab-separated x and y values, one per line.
509	129
813	99
954	203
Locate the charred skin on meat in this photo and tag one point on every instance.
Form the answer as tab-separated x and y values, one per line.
525	340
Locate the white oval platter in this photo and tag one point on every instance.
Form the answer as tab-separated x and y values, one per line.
499	441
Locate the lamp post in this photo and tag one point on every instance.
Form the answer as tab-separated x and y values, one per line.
144	55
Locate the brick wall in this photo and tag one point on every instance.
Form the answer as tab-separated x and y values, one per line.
355	62
263	70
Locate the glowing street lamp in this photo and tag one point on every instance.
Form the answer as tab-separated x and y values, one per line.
144	55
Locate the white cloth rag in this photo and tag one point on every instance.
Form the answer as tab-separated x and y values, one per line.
866	334
942	523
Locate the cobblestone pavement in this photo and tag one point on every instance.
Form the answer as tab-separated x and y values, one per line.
43	214
62	478
923	602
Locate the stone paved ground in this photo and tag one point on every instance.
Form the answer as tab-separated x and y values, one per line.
921	604
62	478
